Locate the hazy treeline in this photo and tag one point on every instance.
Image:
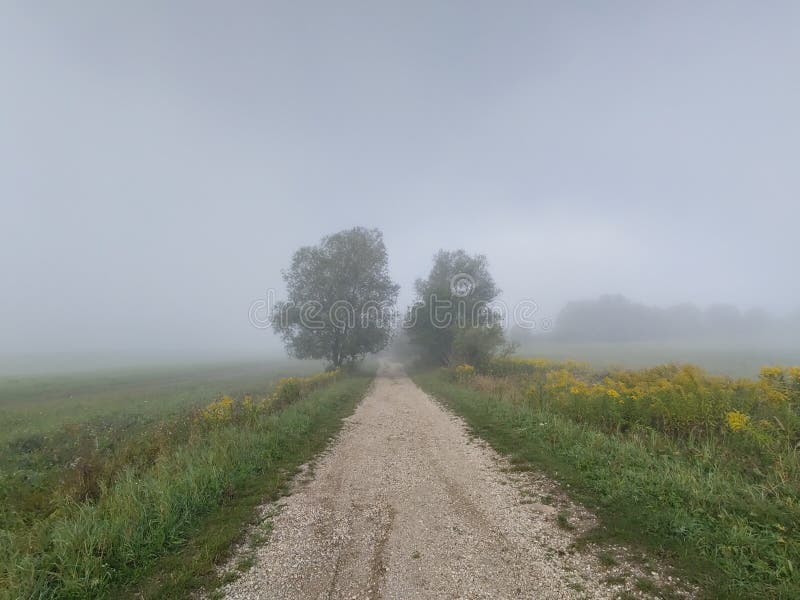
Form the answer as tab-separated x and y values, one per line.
615	318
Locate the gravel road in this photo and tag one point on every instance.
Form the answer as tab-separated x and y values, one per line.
405	505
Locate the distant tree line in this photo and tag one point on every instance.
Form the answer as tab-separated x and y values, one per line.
614	318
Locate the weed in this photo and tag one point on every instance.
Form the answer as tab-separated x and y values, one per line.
562	519
607	559
644	585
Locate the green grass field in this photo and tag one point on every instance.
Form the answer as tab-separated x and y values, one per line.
125	482
36	404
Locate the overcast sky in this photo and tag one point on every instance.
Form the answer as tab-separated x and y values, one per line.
160	161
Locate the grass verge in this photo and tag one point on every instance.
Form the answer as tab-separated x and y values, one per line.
731	536
158	534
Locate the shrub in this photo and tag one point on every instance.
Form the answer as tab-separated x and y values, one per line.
464	372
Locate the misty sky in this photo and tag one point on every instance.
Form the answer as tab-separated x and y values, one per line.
160	161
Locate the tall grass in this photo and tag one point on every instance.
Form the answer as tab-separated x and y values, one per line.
84	548
724	506
753	418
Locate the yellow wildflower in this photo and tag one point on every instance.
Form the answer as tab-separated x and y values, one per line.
219	411
464	371
771	372
736	420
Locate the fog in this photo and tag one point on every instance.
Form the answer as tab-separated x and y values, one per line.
160	162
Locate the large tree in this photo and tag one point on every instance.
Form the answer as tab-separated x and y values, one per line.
452	318
340	298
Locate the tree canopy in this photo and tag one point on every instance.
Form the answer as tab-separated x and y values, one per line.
452	318
340	298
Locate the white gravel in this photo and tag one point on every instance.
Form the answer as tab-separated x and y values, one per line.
406	505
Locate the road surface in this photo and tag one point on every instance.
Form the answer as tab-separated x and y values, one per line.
405	505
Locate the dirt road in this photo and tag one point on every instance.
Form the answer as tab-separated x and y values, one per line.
405	505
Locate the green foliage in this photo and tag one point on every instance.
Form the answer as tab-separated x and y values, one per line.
682	401
477	345
340	298
725	507
153	487
452	313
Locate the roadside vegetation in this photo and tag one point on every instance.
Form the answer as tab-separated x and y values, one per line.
129	499
703	469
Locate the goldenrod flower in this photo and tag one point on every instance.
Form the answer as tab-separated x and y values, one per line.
771	372
219	411
736	420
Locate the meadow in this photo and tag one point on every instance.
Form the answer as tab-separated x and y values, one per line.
702	469
732	358
34	404
138	481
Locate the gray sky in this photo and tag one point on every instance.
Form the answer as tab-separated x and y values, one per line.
160	161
